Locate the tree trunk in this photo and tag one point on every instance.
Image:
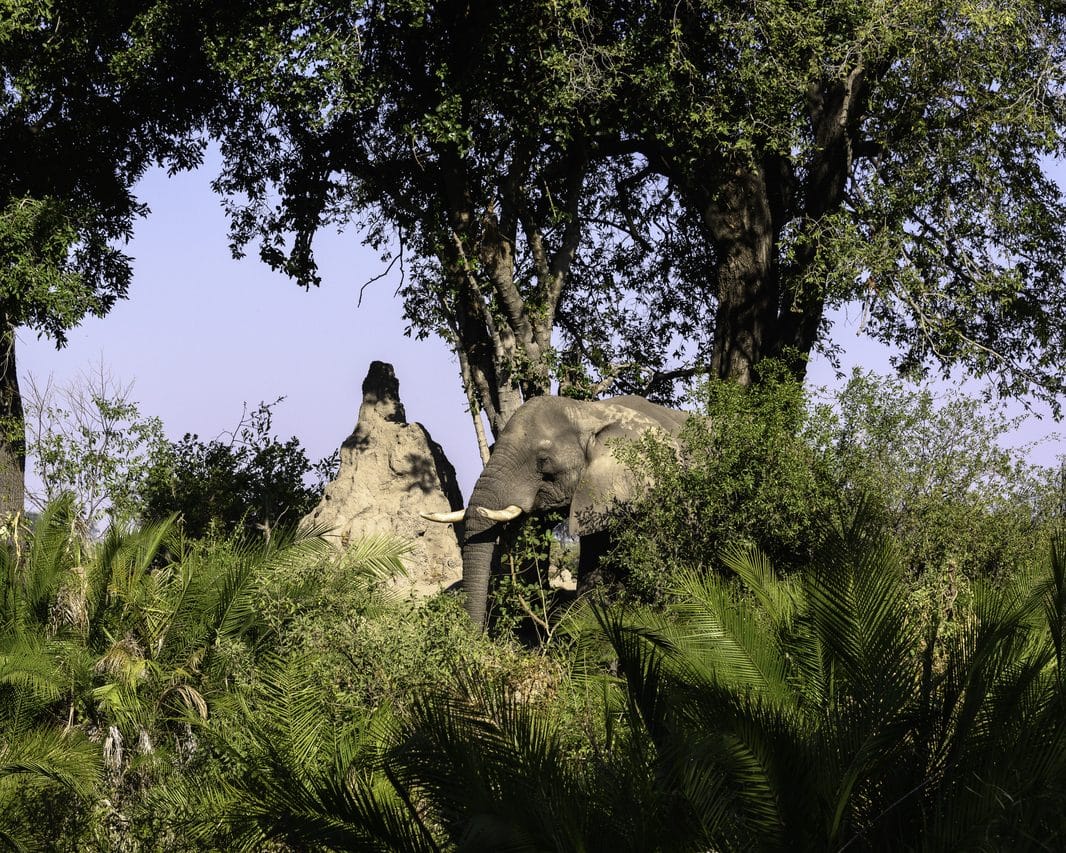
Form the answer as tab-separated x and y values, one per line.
768	307
741	225
471	399
13	426
832	108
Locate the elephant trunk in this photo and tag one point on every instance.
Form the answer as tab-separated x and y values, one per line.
479	548
477	568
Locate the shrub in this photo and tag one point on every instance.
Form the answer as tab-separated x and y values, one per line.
741	474
254	482
764	461
956	497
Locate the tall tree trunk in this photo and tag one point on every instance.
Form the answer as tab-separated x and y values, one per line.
767	305
12	427
741	224
832	107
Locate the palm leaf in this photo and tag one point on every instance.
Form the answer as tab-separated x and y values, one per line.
494	770
721	639
297	779
52	552
49	755
29	664
780	599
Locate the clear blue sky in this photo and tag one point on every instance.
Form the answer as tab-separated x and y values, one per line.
201	334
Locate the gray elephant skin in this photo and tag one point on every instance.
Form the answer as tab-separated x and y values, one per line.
554	453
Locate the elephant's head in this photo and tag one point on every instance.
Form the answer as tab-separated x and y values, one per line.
554	453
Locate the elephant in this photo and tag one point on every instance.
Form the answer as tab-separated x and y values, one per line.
554	453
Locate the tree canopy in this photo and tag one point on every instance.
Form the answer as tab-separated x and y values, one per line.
892	154
603	196
460	139
615	194
93	94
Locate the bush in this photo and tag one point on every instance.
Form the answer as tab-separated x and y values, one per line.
741	474
252	483
954	495
765	461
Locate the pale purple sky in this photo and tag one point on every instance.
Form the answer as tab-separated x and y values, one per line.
202	333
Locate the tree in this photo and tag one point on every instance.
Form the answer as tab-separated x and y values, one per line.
600	193
93	93
893	154
253	482
469	134
89	439
958	498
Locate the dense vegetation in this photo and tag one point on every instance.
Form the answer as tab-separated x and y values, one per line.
612	196
835	623
802	654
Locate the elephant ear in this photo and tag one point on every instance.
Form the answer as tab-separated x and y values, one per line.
608	483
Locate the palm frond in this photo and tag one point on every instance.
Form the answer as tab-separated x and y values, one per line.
28	581
779	598
299	779
379	556
723	640
52	552
41	764
30	664
50	755
857	605
493	769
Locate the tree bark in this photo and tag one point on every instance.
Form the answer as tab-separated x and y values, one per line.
740	222
767	306
832	108
13	426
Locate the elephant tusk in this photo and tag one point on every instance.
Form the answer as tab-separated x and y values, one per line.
445	517
509	514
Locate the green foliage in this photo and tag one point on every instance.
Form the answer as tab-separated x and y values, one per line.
831	719
492	766
957	497
158	692
46	772
253	483
89	439
530	555
131	640
829	689
38	236
372	649
764	462
93	94
740	474
303	750
293	776
770	713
